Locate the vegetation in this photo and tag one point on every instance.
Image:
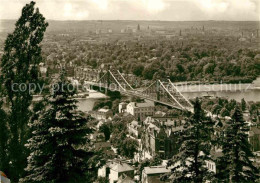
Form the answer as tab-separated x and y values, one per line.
117	133
224	107
207	61
19	64
59	150
189	163
237	152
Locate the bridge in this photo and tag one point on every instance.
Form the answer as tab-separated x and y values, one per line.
161	92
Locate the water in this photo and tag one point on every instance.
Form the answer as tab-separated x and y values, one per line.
230	91
87	104
248	95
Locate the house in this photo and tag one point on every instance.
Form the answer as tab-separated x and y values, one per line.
254	138
133	128
122	107
116	170
125	179
101	114
161	137
140	110
3	178
212	165
152	174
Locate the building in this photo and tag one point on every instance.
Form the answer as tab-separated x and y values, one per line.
254	138
133	128
101	114
116	170
140	110
212	165
122	107
152	174
125	179
161	135
3	178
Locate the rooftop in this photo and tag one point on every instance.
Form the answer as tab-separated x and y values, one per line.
120	167
103	110
156	170
143	104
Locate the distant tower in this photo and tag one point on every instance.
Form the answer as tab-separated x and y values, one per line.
203	29
180	32
148	27
242	34
138	27
257	35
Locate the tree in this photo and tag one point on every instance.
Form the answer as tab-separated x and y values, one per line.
128	147
149	71
224	112
189	162
19	65
216	109
137	69
59	149
243	104
3	140
237	151
105	128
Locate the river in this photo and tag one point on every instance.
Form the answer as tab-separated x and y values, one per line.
229	91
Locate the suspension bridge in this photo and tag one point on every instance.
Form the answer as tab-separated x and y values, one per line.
159	91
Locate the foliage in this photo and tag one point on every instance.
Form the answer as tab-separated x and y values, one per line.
125	145
102	180
243	104
19	64
237	151
3	140
106	129
189	163
59	150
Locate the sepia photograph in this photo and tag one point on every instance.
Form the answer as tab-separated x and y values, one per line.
129	91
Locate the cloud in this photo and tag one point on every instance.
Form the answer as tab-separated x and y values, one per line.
101	4
153	6
72	11
138	9
230	9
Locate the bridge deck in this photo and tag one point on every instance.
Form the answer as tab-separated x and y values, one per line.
137	93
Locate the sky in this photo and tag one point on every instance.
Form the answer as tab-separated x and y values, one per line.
170	10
